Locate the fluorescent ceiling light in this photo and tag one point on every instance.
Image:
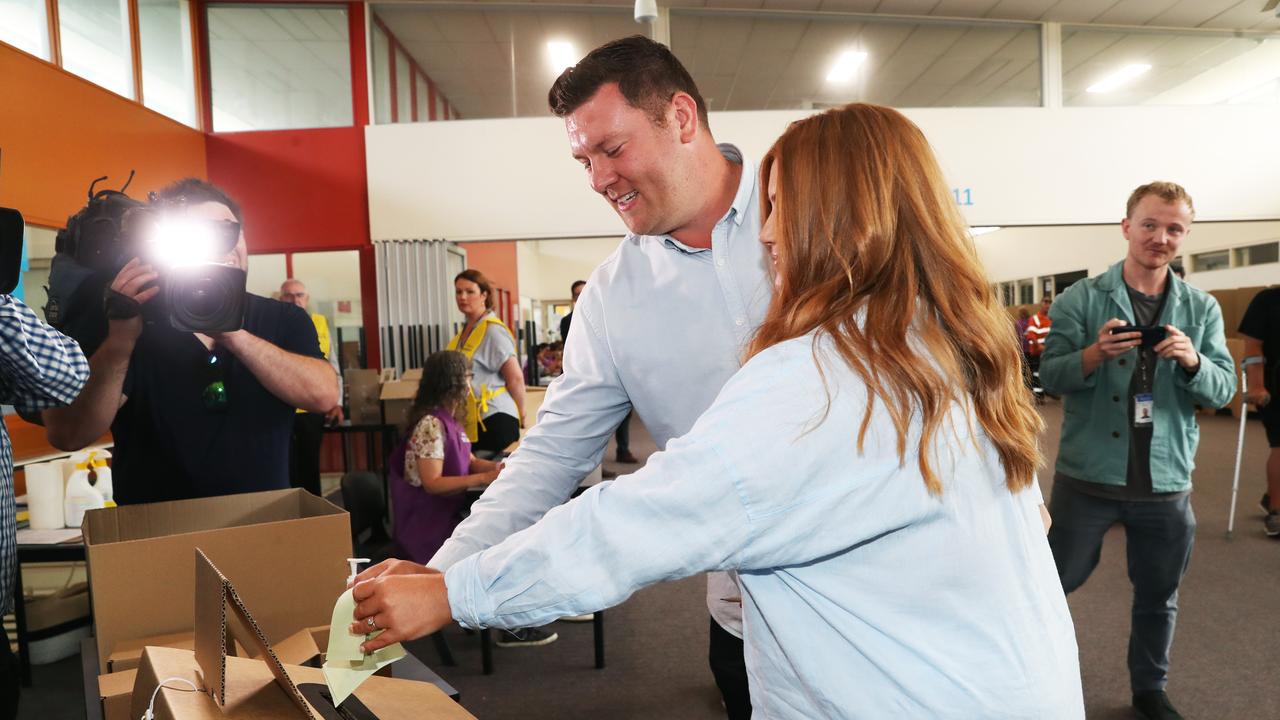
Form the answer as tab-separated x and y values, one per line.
563	55
845	65
1118	78
983	229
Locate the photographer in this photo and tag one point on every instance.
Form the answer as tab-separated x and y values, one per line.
1130	387
195	414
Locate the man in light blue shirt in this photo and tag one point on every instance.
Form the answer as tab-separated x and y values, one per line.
662	323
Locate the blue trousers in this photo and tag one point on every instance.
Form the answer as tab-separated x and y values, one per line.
1159	537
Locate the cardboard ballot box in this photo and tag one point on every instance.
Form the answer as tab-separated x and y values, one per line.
287	550
234	688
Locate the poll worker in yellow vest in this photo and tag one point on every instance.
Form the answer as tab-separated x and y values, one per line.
308	428
495	411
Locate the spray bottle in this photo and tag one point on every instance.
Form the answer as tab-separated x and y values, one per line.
102	475
80	495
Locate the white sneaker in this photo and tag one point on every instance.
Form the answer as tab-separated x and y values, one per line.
579	618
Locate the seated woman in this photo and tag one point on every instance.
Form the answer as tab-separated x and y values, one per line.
869	472
427	487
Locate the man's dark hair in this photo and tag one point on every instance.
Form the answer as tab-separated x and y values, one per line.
647	72
576	284
194	191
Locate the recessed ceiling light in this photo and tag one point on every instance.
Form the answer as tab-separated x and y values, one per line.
983	229
563	54
1118	78
845	65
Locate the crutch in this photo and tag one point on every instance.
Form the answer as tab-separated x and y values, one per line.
1244	415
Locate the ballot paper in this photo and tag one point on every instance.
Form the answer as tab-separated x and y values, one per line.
345	666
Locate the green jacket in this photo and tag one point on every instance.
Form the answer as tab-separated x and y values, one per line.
1096	409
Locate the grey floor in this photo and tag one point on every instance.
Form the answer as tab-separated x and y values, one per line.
1226	658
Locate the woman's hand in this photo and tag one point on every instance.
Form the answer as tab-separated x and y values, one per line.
403	607
492	475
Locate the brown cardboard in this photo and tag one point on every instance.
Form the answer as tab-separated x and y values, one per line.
396	398
287	549
232	688
214	596
362	396
116	694
252	692
414	374
299	647
126	655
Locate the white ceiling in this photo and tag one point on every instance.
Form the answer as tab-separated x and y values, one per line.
745	62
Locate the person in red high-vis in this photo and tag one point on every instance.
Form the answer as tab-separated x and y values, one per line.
1037	331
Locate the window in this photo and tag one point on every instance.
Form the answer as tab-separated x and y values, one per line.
1062	281
1026	292
424	98
381	77
1206	261
95	42
168	78
771	61
279	67
1257	254
23	24
404	88
1137	67
1007	297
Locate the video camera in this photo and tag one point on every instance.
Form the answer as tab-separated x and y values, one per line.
200	292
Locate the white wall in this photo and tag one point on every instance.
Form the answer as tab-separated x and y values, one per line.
547	268
514	179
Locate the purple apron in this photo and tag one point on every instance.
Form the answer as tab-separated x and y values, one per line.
423	521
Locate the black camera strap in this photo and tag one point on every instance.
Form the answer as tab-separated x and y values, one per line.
119	306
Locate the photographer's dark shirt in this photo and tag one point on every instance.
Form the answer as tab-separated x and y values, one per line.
170	446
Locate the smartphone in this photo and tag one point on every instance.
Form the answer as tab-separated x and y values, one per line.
11	229
1151	335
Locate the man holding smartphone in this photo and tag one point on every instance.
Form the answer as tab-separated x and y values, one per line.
1132	352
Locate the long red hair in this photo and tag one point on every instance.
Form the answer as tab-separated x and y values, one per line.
874	255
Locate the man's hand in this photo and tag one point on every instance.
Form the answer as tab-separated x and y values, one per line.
1258	397
1177	346
334	416
129	283
393	567
1113	346
403	607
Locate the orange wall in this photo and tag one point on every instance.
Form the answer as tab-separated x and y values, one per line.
497	260
58	132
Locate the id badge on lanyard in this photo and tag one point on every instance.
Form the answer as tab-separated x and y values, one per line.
1144	409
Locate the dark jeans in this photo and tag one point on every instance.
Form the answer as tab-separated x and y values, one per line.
1159	536
623	435
730	670
10	678
500	430
304	451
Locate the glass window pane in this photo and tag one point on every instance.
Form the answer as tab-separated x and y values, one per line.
381	77
24	25
95	42
168	78
1109	67
279	67
404	83
424	97
1216	260
777	62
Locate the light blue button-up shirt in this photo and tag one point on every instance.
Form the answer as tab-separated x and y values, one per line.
660	327
864	596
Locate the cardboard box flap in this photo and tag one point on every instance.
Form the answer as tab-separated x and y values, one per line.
399	390
140	522
214	595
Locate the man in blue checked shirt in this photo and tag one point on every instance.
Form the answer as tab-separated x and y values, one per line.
39	368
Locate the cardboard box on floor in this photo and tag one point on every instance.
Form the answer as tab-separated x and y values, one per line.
287	548
233	688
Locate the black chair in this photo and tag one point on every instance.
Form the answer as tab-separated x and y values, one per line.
363	498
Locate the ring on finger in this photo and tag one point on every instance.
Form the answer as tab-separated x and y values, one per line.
373	624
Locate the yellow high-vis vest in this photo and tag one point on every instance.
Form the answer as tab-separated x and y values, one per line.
477	406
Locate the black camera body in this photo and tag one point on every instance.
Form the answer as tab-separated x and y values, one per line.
1152	335
200	294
